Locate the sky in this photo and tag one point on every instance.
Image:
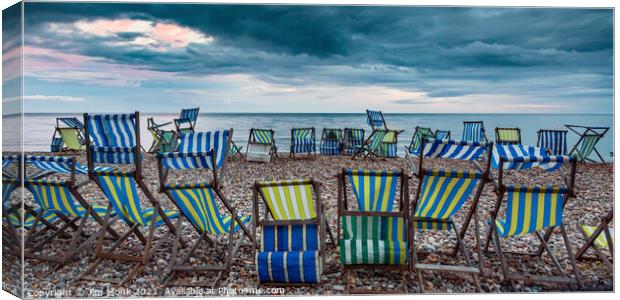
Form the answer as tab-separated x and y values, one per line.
244	58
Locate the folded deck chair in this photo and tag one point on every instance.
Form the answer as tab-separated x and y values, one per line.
535	210
187	120
473	131
598	238
441	195
293	230
375	119
115	139
505	136
353	139
198	203
261	145
303	140
163	140
234	150
331	141
376	234
588	138
553	141
419	134
442	134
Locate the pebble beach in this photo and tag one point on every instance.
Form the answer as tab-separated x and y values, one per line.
594	189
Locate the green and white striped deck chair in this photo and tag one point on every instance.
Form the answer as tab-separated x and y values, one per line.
416	141
292	232
598	238
372	145
376	234
163	140
353	138
261	145
199	203
588	139
507	136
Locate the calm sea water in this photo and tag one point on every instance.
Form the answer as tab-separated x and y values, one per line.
39	128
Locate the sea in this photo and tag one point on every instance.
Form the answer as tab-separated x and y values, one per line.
39	127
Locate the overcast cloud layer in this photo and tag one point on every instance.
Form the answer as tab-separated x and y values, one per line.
157	58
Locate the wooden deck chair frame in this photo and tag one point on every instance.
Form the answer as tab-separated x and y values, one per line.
269	220
252	140
582	132
601	229
347	147
312	137
500	141
232	246
539	135
343	210
543	236
178	122
149	248
158	135
326	138
484	132
475	271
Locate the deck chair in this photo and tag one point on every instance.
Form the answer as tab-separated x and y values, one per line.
198	203
376	145
71	132
442	134
598	238
62	199
331	141
553	141
186	122
588	138
115	139
163	140
293	230
303	140
473	131
261	145
505	136
353	138
375	119
234	150
56	145
441	194
419	134
376	234
533	210
389	145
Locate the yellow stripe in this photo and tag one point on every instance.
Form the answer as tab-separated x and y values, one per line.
288	204
308	189
527	211
131	200
552	214
110	185
65	201
212	212
187	203
541	212
459	194
366	193
515	214
433	197
445	196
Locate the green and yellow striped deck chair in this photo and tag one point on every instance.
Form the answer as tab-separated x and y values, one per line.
72	139
533	210
376	234
598	238
292	232
588	139
507	136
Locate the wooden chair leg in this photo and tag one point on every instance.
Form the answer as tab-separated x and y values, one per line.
571	257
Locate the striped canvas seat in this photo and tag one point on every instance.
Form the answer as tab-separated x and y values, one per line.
588	139
120	189
473	132
15	218
459	150
71	122
416	141
56	145
331	141
388	145
519	157
442	134
188	116
263	136
192	144
198	204
443	193
375	119
587	145
58	164
354	138
289	199
375	190
552	141
507	136
55	196
113	138
303	140
531	209
601	240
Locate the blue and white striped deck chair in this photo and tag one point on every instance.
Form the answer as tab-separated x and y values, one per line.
331	141
377	232
199	204
112	138
261	145
303	140
416	141
71	122
353	138
60	166
442	134
188	116
473	131
375	119
292	232
519	157
552	141
442	196
532	210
